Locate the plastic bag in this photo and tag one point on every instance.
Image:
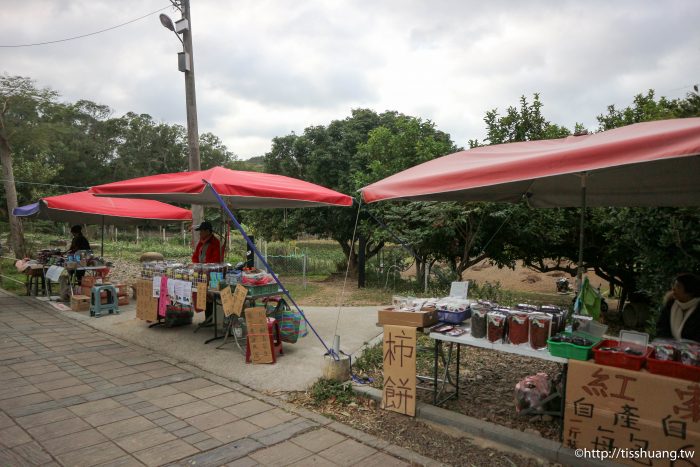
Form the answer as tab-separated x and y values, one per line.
531	391
292	326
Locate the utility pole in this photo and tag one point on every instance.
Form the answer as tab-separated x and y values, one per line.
186	65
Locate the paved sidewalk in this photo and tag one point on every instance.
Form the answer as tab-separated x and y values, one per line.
71	395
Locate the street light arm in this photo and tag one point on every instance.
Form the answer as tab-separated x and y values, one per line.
176	5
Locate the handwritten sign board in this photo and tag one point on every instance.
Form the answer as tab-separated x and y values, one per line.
610	409
226	300
258	335
146	304
201	296
239	296
399	353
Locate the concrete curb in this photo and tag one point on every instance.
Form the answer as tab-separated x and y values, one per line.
535	445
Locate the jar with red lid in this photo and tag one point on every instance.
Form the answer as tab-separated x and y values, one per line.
495	327
540	330
518	327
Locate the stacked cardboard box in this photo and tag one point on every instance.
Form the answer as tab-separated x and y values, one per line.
122	294
80	303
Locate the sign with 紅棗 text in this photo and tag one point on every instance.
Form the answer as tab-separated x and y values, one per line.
399	354
632	417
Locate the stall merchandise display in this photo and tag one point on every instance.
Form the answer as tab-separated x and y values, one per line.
540	330
630	351
478	323
518	327
495	327
677	359
453	310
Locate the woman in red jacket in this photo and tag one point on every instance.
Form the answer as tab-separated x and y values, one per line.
208	251
209	248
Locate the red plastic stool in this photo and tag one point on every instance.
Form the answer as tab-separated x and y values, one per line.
273	331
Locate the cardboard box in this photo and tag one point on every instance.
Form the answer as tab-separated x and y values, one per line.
416	319
80	303
123	300
88	281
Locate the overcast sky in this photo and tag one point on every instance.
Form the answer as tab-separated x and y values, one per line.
267	68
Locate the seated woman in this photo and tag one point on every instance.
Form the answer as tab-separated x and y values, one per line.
680	315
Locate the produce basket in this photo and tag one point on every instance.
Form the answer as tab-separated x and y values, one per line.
262	289
570	350
626	360
672	368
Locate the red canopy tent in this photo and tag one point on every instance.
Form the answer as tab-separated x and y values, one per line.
243	190
645	164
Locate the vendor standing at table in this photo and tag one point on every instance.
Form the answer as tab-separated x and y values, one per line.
680	315
208	250
78	243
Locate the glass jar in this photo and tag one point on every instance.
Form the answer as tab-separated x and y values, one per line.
495	326
540	330
478	325
518	327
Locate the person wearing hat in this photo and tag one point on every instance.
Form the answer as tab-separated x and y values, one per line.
208	249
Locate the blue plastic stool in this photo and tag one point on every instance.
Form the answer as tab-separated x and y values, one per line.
96	306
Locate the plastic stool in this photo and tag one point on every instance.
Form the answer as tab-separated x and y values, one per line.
36	282
96	306
273	331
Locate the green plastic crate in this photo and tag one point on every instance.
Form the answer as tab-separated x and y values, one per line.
572	351
261	289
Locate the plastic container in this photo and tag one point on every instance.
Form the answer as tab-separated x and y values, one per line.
570	350
495	326
518	327
454	317
672	368
636	341
540	330
478	327
262	289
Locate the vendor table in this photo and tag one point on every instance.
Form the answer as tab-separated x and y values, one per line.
467	339
216	297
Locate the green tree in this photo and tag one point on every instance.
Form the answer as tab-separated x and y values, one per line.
22	105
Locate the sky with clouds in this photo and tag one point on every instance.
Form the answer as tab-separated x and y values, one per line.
266	68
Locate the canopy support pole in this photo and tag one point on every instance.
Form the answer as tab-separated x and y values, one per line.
580	271
102	245
251	245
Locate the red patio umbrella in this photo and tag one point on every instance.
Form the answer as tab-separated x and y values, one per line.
242	190
85	208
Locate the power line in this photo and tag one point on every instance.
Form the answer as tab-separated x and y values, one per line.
88	34
47	184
